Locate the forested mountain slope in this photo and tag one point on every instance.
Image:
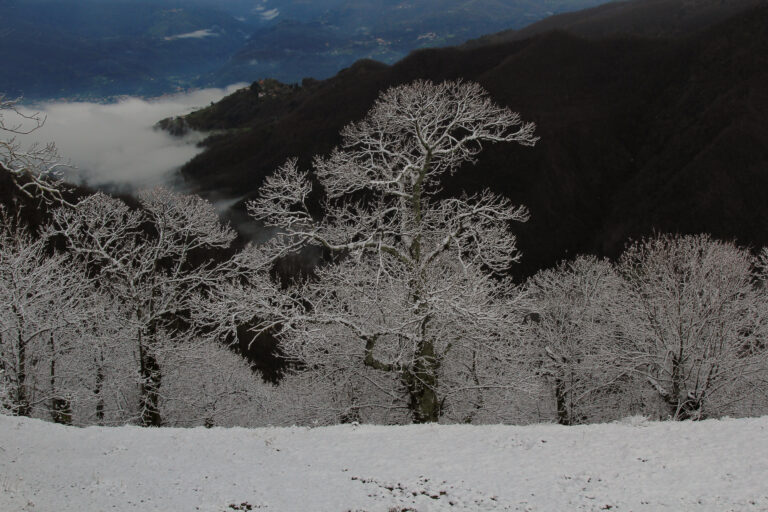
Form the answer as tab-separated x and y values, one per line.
648	18
637	134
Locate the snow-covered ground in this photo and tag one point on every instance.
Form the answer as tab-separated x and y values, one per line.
628	466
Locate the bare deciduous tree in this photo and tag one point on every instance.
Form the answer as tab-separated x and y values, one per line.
416	301
207	384
35	169
145	259
574	338
44	305
697	332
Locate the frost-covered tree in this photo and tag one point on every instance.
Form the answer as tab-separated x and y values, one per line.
35	169
415	302
44	303
151	261
697	333
573	335
207	384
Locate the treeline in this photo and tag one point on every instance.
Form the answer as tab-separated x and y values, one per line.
114	314
676	328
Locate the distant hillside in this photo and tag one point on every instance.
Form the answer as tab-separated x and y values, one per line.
303	42
637	134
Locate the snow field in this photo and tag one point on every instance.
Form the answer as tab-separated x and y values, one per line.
714	465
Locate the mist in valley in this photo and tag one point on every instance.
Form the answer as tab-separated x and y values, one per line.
116	146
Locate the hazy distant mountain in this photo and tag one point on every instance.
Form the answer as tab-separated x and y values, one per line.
637	133
99	48
317	41
92	48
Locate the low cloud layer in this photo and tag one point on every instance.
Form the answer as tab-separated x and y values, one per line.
270	14
115	145
264	12
197	34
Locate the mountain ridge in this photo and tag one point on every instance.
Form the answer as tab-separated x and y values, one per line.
638	134
647	18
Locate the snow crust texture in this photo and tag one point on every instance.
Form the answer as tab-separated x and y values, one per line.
714	465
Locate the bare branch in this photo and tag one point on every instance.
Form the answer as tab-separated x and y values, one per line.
410	293
37	169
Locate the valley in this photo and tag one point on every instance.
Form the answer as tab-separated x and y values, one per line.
97	51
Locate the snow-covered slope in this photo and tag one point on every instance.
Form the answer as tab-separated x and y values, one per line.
629	466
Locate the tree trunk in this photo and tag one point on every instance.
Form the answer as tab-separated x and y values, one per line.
479	403
421	379
149	396
5	404
61	411
421	382
98	388
561	399
21	405
150	391
61	408
674	401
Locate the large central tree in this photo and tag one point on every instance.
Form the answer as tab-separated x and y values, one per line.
415	305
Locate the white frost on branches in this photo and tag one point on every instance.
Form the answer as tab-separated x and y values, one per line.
46	304
574	335
697	329
36	169
416	304
151	261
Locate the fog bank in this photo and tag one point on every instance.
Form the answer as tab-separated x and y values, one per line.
115	145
